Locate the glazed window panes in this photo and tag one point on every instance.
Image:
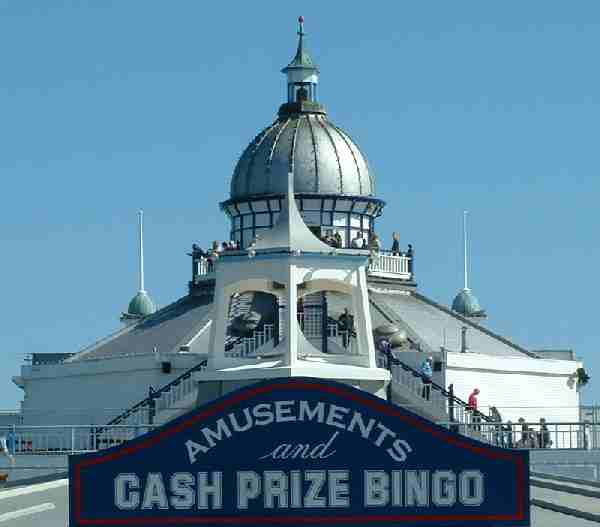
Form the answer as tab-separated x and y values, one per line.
312	218
275	217
259	206
274	204
263	219
355	220
326	218
243	208
298	204
311	204
343	205
328	204
359	207
236	222
339	219
232	210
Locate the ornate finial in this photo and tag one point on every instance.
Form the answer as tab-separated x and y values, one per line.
300	25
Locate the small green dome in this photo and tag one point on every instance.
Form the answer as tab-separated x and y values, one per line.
141	305
466	304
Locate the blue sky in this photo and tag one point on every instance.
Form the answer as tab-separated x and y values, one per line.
108	107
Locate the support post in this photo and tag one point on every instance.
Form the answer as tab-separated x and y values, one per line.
291	317
324	324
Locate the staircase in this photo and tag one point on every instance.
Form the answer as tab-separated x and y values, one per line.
161	405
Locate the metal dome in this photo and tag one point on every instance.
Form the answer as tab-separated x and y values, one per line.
322	157
141	305
466	304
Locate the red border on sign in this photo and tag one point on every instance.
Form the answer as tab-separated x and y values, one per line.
340	391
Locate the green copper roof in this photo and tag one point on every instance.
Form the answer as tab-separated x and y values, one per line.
302	60
141	305
466	304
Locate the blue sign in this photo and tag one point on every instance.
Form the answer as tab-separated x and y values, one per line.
300	452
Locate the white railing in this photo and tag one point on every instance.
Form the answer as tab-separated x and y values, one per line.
248	346
169	398
417	388
205	268
65	439
392	266
311	323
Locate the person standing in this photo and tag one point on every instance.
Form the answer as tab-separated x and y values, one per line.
426	374
473	401
396	244
346	325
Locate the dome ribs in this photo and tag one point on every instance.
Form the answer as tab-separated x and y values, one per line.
312	135
337	154
257	145
272	151
358	173
293	149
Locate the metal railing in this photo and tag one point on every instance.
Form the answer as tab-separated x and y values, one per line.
432	394
165	397
311	324
68	439
555	435
248	346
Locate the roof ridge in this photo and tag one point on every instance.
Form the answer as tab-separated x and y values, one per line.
473	324
121	331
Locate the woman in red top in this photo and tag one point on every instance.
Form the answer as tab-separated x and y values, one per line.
473	407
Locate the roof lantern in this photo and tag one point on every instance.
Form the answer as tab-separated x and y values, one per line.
302	73
141	305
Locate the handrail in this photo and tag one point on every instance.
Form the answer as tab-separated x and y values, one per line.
434	386
155	394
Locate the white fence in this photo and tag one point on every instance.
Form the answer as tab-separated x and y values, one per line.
68	438
248	346
392	266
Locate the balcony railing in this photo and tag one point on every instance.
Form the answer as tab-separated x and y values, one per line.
384	265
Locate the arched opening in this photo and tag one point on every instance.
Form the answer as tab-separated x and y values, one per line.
326	318
253	324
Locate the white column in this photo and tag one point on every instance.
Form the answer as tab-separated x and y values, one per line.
291	316
362	317
216	352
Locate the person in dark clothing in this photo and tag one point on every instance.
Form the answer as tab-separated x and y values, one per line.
508	434
544	435
476	416
497	429
338	239
346	325
396	244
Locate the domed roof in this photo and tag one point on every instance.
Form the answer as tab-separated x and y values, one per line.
322	157
141	305
466	304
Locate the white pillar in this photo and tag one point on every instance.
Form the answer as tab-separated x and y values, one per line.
362	317
216	352
291	317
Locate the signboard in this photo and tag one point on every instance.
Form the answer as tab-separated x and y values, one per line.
300	452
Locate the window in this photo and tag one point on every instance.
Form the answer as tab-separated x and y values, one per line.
259	206
312	218
355	220
243	208
263	219
340	219
326	218
236	222
328	204
343	204
312	204
274	204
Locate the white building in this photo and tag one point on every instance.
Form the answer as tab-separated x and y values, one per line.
276	305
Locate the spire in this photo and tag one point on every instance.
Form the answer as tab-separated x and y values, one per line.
141	216
466	265
302	59
141	304
465	302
